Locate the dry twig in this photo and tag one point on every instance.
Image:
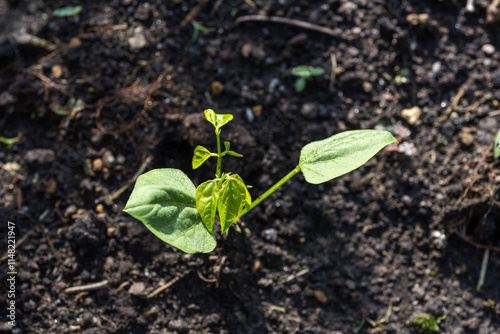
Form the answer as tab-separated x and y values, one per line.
288	21
164	287
193	13
88	287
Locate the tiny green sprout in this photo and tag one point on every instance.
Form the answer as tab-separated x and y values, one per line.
427	323
496	149
11	141
403	76
182	215
278	309
67	11
199	27
303	73
489	304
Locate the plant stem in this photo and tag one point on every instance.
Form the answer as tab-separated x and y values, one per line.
219	156
275	187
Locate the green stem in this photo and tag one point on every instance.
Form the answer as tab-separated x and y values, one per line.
269	192
219	156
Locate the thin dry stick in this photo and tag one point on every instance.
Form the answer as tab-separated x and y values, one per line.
494	113
18	244
286	20
141	169
484	265
193	13
88	287
333	60
164	287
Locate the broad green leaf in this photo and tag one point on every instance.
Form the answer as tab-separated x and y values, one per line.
232	199
217	120
201	155
206	202
496	149
323	160
67	11
300	85
164	200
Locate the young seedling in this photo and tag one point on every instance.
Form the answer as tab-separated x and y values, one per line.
170	206
427	323
11	141
197	28
304	73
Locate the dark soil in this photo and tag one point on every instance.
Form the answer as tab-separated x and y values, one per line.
404	235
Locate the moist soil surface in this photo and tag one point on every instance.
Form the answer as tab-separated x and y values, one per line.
120	88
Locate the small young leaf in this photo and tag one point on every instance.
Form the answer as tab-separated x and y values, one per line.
217	120
323	160
303	71
317	71
164	200
227	145
233	197
201	155
496	149
234	154
206	197
67	11
300	84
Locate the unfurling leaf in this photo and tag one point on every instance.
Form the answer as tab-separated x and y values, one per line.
201	155
164	200
233	197
67	11
323	160
206	197
234	154
217	120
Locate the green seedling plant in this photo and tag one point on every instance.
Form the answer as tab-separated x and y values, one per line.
427	323
197	28
304	73
67	11
177	212
10	141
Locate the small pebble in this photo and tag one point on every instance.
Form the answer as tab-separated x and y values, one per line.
249	114
108	159
50	187
367	87
466	138
70	210
99	208
110	231
97	165
257	110
137	289
57	71
216	88
255	266
40	155
411	115
309	110
138	40
320	296
87	168
488	49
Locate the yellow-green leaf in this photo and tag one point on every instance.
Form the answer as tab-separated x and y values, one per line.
217	120
206	202
233	197
201	155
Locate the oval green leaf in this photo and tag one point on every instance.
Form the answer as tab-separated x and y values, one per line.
217	120
234	196
201	155
206	202
303	71
323	160
300	85
317	71
67	11
164	200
